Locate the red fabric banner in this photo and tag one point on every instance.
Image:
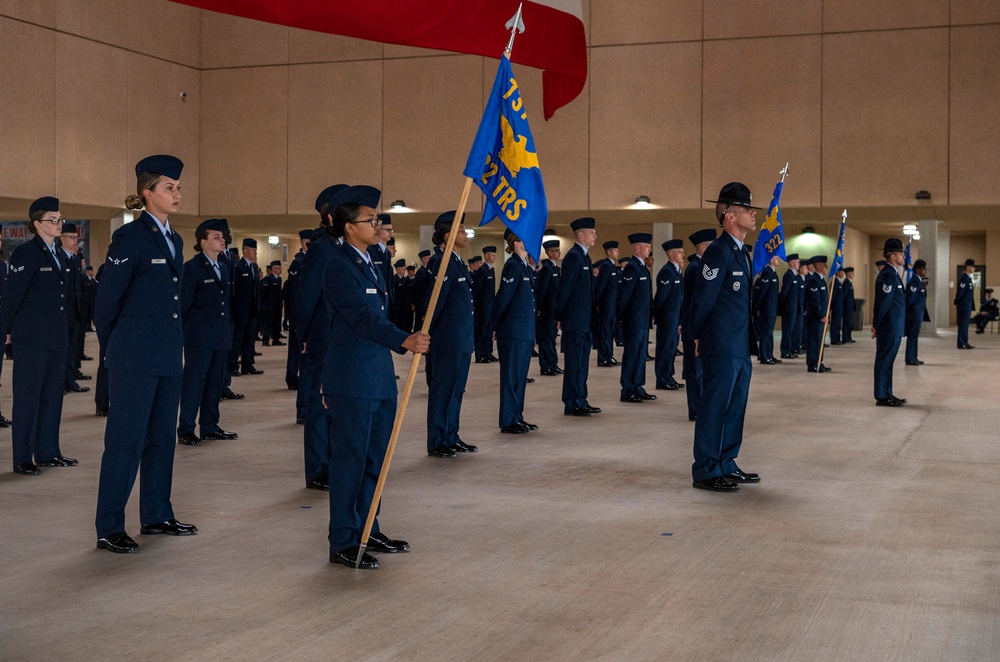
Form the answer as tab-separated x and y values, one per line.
553	41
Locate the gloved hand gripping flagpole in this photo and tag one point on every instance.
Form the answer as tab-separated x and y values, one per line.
515	25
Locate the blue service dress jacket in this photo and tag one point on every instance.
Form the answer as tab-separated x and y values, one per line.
312	319
575	301
719	317
816	298
606	288
916	305
634	298
547	289
765	293
138	311
452	325
514	306
669	296
963	294
888	313
206	305
33	306
788	295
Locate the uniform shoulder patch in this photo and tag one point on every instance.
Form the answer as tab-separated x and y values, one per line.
709	273
887	288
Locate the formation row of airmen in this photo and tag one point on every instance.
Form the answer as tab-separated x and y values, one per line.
341	304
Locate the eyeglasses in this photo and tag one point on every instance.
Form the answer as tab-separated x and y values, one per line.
53	221
375	222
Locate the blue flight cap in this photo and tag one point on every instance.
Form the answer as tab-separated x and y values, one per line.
919	263
234	252
490	249
68	228
585	223
391	242
446	219
218	224
473	260
385	218
791	256
367	196
249	243
608	245
701	236
48	203
550	244
423	254
879	264
506	235
623	260
817	259
327	195
399	263
160	164
805	262
275	263
672	244
640	238
305	234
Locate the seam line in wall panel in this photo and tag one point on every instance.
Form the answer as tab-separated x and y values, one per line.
288	91
701	128
382	123
822	66
947	157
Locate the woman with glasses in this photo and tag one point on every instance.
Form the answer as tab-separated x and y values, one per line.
358	382
33	314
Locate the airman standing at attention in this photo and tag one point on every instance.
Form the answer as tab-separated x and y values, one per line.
667	314
606	305
74	306
546	297
381	255
423	283
788	306
514	314
847	316
805	270
574	310
246	311
484	289
916	310
634	302
837	307
888	319
964	304
294	342
765	310
270	305
816	313
691	366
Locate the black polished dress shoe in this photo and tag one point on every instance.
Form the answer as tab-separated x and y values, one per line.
379	542
823	368
559	370
492	359
647	396
887	402
913	363
83	377
253	371
717	484
189	439
76	388
529	380
265	343
771	361
788	356
235	373
530	426
5	422
256	353
101	411
54	462
28	469
968	347
514	428
577	411
667	387
549	373
462	447
119	543
614	361
740	476
321	482
483	360
593	410
350	555
219	435
534	353
634	398
170	527
901	401
300	420
605	364
86	358
231	395
278	343
442	451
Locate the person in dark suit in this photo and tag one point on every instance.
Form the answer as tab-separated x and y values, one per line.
74	306
788	306
964	304
720	326
546	298
449	358
246	311
574	311
382	258
888	322
514	315
230	257
359	411
847	307
691	365
138	320
484	287
765	310
402	285
606	305
633	309
294	342
989	310
33	315
205	312
4	270
817	307
270	305
423	282
916	311
667	314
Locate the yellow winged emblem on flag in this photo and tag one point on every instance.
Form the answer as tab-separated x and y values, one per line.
514	152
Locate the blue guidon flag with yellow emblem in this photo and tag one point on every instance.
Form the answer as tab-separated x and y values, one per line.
771	239
504	164
838	258
908	261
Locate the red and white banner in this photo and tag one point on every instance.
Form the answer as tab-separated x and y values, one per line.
553	40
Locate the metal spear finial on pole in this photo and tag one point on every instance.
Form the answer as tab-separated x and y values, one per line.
784	171
515	25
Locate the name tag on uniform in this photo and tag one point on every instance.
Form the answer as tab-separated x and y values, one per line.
642	278
45	269
210	280
585	267
158	261
526	278
244	275
739	273
371	290
462	279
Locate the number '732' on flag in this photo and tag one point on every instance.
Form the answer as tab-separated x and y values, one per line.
503	163
771	239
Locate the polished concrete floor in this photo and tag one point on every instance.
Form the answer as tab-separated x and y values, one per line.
874	535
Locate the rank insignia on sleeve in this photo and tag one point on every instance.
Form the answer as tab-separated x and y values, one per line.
708	273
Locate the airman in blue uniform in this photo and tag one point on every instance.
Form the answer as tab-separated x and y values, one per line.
229	257
423	283
270	305
359	411
294	342
4	271
805	270
138	320
449	359
888	322
206	308
964	304
606	305
484	286
667	314
546	298
246	311
765	311
74	306
312	320
817	306
916	311
691	366
633	305
847	314
33	314
574	311
514	316
719	323
788	306
837	307
382	258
